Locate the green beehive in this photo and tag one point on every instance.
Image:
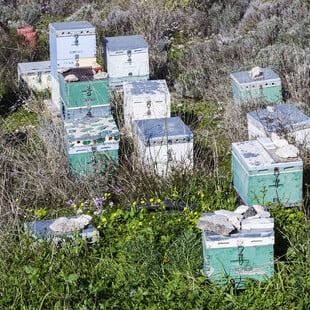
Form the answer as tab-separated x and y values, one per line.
247	254
261	175
258	84
92	145
81	87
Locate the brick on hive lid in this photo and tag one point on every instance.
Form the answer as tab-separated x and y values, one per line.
256	73
71	78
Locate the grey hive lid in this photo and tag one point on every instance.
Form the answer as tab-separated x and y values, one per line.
284	116
149	87
243	77
33	67
120	43
71	26
41	229
162	131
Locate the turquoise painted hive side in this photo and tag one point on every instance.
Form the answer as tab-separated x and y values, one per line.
86	91
266	88
92	145
248	254
261	177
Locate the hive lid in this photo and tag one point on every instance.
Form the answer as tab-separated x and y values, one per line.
149	87
260	154
119	43
281	117
244	77
163	131
91	128
72	26
34	67
253	233
41	229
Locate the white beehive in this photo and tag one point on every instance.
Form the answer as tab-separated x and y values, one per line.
145	100
284	120
36	76
72	44
126	58
164	144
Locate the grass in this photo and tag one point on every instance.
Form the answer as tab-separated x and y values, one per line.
145	258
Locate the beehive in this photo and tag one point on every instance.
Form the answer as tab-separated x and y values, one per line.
92	144
35	76
72	44
260	176
88	90
41	230
145	100
247	254
126	58
265	86
284	119
164	144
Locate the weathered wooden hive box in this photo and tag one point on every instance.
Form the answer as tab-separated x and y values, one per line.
126	58
145	100
41	230
72	44
92	144
264	87
247	254
35	76
88	95
260	176
164	144
284	119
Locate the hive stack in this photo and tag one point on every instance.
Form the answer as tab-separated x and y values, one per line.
72	44
80	88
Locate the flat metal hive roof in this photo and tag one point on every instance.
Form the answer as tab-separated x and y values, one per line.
76	25
37	66
130	42
152	130
285	116
149	87
243	77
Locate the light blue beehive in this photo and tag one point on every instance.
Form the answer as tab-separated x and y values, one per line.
92	145
265	87
72	44
126	58
36	76
247	254
164	144
284	119
260	176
